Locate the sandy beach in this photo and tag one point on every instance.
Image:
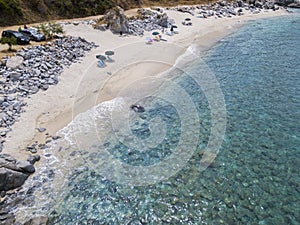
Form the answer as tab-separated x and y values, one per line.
84	84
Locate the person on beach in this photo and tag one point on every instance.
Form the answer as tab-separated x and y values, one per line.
172	30
19	29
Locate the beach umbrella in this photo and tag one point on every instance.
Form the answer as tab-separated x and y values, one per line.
174	26
187	19
101	57
155	33
109	53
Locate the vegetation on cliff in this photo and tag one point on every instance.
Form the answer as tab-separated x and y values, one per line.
29	11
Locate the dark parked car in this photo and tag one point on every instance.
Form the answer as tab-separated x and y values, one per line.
33	34
21	39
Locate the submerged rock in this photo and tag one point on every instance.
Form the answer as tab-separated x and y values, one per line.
137	108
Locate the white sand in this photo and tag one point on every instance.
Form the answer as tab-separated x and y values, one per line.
84	84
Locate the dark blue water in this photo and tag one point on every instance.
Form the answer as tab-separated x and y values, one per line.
255	178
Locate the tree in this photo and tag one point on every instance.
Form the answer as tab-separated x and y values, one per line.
50	29
10	41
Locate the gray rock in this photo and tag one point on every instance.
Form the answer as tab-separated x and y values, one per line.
258	4
45	87
41	129
34	89
240	3
163	21
116	20
14	62
39	220
32	159
7	218
15	76
10	179
26	166
8	158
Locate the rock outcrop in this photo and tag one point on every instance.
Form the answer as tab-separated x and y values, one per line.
116	20
13	173
147	20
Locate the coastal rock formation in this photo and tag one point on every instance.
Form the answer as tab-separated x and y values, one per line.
225	9
163	20
147	20
116	20
13	173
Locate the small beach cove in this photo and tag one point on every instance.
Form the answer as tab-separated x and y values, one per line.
134	60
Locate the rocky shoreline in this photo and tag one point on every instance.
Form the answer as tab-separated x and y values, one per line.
156	18
31	70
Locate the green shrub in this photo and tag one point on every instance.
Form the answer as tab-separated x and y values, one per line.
50	29
10	41
10	7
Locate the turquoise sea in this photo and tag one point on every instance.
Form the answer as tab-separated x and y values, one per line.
253	177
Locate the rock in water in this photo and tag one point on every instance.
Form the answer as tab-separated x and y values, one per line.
137	108
14	62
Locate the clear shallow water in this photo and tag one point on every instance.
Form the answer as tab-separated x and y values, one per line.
253	180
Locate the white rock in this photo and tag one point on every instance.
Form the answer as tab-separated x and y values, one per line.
14	62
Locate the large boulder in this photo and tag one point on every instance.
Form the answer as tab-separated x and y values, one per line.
14	62
13	173
163	20
116	20
11	179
